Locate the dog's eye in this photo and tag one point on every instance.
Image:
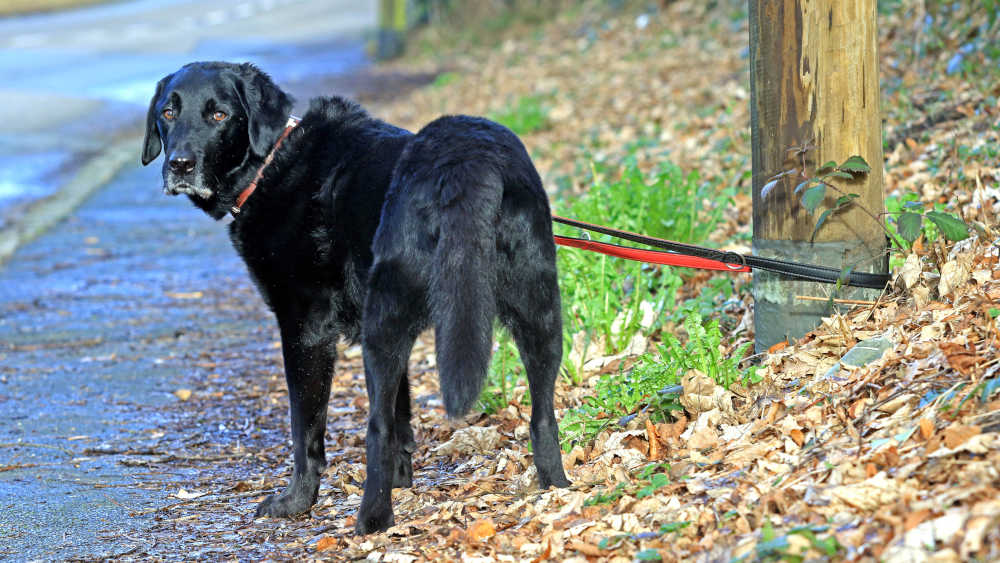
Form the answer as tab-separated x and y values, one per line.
168	114
220	116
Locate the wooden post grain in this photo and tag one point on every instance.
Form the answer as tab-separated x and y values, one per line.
814	98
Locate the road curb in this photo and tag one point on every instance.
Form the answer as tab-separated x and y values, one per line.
43	214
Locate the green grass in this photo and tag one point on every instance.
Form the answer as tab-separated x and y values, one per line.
528	115
651	386
598	290
505	371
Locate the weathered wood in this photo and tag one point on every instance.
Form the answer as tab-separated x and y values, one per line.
814	98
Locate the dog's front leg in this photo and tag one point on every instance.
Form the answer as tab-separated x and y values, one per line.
308	371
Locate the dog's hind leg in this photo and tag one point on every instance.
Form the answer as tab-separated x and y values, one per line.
532	311
308	371
405	443
394	309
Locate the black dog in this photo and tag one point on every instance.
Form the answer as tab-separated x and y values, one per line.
362	230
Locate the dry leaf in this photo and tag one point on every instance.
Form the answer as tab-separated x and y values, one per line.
585	548
869	494
327	542
182	494
977	444
704	437
481	529
798	437
910	272
545	554
471	440
914	519
954	274
962	358
655	452
926	428
957	434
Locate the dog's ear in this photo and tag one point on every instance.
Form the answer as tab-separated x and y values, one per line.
152	144
265	104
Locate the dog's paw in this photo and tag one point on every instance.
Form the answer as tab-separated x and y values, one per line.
560	482
375	521
283	506
553	479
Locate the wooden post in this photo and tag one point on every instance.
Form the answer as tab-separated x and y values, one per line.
814	86
392	27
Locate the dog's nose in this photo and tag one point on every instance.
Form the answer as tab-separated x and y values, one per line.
181	164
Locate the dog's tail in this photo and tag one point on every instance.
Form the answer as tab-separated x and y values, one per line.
463	298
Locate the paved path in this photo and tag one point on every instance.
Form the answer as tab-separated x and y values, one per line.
101	320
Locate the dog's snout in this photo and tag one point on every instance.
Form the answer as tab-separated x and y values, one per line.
182	164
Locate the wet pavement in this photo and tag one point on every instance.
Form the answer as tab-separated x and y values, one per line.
102	320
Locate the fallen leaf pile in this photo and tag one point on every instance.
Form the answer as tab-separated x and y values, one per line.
875	437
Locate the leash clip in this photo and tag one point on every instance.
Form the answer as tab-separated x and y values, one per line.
735	265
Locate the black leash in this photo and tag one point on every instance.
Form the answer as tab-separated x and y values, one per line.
738	262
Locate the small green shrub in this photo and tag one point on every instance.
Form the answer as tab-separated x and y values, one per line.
598	290
444	79
528	115
702	352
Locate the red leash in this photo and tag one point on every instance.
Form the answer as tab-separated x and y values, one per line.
651	256
691	256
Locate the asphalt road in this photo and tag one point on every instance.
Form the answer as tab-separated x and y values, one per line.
108	312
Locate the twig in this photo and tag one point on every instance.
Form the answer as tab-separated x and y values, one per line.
31	445
114	451
838	301
17	466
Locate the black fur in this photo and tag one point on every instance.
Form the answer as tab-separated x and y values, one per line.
362	230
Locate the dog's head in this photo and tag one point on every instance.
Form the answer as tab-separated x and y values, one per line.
215	123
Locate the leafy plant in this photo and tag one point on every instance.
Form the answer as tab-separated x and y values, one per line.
775	547
606	498
597	290
906	218
651	385
505	369
614	397
528	115
702	352
444	79
908	224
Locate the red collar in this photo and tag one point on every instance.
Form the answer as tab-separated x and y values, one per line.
245	194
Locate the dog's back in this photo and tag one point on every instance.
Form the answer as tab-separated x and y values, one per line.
466	208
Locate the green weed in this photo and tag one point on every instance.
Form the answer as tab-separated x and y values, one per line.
703	353
528	115
652	384
505	369
604	296
444	79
